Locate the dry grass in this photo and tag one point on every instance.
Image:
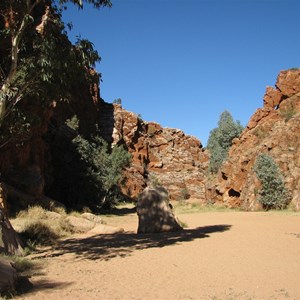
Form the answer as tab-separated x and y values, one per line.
187	207
40	227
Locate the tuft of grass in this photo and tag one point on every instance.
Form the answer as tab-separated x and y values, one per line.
38	226
40	233
186	207
182	223
34	212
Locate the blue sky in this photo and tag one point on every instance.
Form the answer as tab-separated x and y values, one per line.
181	63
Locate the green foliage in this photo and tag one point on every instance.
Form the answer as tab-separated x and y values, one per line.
117	101
95	3
220	140
260	132
73	123
90	172
288	112
39	64
184	193
154	181
273	194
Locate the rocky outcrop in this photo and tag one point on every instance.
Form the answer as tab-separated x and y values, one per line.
160	155
273	129
8	276
154	212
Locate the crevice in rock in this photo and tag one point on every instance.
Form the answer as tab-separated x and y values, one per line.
224	176
233	193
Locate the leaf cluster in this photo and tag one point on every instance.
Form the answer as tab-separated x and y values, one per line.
48	67
220	140
89	172
273	194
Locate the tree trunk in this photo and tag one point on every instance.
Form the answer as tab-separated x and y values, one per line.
10	242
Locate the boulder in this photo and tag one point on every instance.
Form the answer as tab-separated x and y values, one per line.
91	217
80	224
154	212
105	229
8	276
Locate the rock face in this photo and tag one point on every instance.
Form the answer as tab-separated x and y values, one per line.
273	129
164	156
8	276
155	214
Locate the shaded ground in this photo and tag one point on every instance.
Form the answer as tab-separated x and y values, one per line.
222	255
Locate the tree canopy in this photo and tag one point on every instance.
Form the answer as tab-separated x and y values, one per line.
37	60
273	194
220	140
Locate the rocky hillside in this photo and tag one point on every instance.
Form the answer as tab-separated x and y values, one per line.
159	155
273	129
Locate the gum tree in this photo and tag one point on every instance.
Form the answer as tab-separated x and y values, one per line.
26	28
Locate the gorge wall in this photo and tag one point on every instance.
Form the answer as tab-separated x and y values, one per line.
160	155
273	129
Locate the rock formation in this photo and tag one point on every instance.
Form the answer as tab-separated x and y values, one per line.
154	212
164	155
8	277
273	129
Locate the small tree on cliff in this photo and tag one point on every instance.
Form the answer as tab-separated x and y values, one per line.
220	140
273	194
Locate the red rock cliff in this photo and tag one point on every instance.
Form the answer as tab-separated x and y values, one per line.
273	129
163	155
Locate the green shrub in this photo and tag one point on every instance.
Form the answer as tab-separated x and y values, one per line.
154	181
273	194
260	132
220	140
117	101
89	172
288	112
184	193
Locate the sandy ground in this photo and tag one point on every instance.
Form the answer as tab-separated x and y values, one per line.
221	255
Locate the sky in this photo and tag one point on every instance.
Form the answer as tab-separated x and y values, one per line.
181	63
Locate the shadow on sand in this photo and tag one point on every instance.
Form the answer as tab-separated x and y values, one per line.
109	246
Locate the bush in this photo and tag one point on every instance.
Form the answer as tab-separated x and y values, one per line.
273	194
220	140
89	172
288	112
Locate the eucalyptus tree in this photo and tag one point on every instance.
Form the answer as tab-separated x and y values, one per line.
36	57
220	140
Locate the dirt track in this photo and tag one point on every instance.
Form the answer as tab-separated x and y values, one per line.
228	255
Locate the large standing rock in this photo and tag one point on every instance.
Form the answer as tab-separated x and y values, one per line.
8	276
154	212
